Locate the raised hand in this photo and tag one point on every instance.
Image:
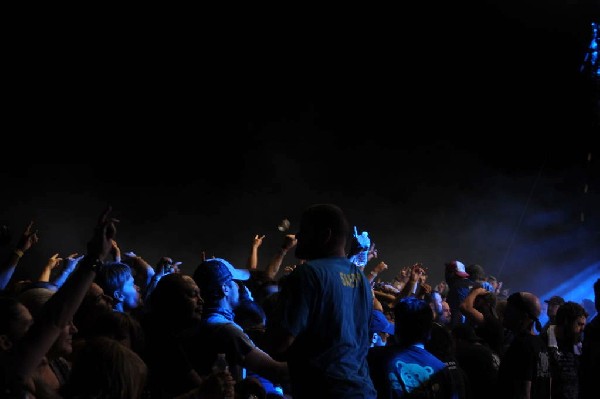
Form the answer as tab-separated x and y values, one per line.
258	239
28	239
70	263
426	288
416	272
372	253
53	262
381	266
116	251
100	245
72	260
289	242
166	266
403	275
289	269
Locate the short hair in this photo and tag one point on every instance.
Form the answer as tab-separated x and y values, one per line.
413	320
112	276
120	326
476	272
169	299
441	344
488	300
34	300
568	312
168	288
314	222
524	303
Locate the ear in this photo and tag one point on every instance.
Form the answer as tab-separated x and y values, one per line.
5	343
118	297
226	288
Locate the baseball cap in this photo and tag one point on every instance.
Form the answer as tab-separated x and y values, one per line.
457	267
211	273
555	300
379	323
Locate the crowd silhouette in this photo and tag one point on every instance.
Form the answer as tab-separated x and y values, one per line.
109	325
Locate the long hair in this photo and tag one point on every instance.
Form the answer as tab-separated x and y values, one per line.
105	369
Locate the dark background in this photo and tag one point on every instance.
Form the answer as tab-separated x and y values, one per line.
447	131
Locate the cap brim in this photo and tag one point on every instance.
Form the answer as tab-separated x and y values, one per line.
389	329
240	274
462	274
380	323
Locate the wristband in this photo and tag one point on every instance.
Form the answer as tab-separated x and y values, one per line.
19	253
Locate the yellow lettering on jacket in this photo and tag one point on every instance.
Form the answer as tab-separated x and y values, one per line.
350	280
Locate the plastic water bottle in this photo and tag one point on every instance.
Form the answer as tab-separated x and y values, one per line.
364	242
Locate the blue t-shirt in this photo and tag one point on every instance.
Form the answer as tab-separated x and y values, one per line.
326	305
409	372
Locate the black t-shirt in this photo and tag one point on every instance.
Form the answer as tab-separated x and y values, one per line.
526	359
492	332
590	360
481	366
564	367
203	345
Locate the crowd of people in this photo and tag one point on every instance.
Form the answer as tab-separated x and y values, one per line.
107	324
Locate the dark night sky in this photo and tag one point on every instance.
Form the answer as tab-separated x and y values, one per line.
446	138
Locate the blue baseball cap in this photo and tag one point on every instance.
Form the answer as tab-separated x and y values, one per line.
212	273
379	323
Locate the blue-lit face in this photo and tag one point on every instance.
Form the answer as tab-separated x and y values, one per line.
130	292
192	297
234	294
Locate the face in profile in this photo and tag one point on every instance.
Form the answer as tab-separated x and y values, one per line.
17	327
234	293
63	346
446	314
192	297
576	329
552	309
130	293
96	295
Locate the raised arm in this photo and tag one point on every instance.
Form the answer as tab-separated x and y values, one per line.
59	309
116	251
164	266
410	288
467	306
289	242
379	268
7	268
143	272
52	263
252	262
71	262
